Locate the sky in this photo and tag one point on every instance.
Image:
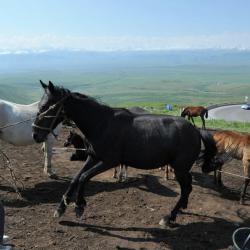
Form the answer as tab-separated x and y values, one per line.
104	25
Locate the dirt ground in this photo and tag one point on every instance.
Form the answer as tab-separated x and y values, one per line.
118	215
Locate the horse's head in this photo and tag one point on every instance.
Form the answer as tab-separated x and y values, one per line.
50	112
70	139
183	113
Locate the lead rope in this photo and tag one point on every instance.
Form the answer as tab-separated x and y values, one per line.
17	123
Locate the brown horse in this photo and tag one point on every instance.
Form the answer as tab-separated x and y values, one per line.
238	146
192	111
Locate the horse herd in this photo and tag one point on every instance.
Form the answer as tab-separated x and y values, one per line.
126	137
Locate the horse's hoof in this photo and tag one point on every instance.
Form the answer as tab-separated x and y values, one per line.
58	213
52	175
66	200
165	222
241	202
220	184
79	211
125	180
184	206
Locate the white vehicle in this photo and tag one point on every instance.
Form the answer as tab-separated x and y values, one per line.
246	106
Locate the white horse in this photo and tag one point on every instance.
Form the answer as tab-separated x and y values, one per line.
16	128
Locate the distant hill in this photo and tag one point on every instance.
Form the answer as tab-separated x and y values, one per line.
66	59
201	76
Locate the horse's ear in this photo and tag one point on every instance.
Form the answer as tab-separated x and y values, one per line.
51	87
43	84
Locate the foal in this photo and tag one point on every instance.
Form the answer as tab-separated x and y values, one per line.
192	111
80	142
237	145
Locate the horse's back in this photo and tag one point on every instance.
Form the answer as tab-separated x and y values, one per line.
195	110
11	114
17	112
235	142
155	140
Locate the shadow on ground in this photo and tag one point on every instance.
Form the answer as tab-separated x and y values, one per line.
208	231
52	191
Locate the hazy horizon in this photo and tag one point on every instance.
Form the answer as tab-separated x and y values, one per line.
190	76
124	51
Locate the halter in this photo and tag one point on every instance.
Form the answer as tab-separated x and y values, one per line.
43	115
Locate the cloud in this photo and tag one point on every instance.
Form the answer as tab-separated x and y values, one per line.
24	44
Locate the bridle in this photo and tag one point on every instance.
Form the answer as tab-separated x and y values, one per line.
60	112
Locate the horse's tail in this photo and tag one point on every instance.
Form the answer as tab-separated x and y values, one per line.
206	113
209	152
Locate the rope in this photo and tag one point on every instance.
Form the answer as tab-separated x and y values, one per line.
8	165
68	149
17	123
236	175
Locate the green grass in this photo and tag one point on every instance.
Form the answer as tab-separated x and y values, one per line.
150	87
160	108
228	125
192	85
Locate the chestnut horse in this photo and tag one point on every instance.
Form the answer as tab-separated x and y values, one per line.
192	111
238	146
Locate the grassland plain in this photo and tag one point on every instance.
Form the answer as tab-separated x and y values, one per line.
150	80
177	85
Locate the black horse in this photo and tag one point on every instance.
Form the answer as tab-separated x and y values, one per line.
118	136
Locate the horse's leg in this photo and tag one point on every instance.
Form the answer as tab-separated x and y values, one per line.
72	187
187	189
85	177
185	181
243	191
218	178
215	176
172	170
193	121
2	220
246	169
48	146
125	170
203	122
120	175
166	170
115	173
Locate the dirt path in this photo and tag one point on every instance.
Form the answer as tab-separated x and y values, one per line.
118	215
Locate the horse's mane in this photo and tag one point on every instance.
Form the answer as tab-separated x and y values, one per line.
81	97
63	91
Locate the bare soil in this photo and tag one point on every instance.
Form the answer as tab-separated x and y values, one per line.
118	215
